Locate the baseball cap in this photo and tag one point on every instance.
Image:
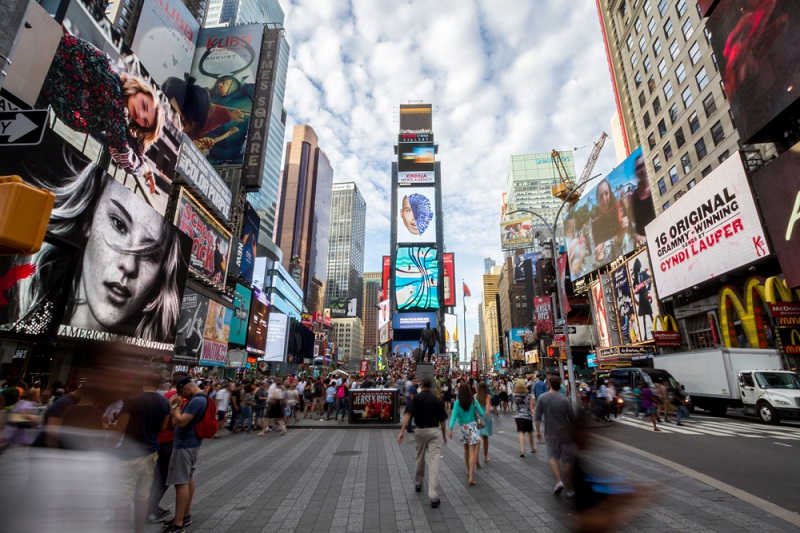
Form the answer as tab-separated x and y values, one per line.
182	383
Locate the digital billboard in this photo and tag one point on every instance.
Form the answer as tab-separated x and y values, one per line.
191	327
609	220
643	294
250	230
198	173
404	349
599	314
384	319
516	337
413	320
449	280
450	332
519	264
111	269
210	241
543	315
386	275
416	162
778	188
416	278
257	327
416	212
757	46
215	338
241	313
714	228
276	337
165	38
626	315
516	232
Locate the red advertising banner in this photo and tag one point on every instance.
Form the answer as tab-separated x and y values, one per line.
474	366
364	367
562	293
374	406
543	315
449	279
387	272
210	240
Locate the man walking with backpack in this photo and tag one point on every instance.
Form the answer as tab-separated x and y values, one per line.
186	448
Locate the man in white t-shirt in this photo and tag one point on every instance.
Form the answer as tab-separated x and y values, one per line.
222	398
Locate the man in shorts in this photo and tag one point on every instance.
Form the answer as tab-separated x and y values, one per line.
185	451
559	417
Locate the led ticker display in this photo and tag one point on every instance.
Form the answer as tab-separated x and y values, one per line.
415	137
416	278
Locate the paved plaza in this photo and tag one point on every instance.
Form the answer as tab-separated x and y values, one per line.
328	478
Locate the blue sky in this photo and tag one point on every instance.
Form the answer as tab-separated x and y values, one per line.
504	77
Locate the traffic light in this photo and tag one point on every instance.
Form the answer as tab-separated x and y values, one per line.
554	352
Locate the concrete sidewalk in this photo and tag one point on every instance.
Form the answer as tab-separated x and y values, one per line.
353	481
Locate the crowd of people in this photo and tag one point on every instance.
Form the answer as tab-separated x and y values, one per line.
657	403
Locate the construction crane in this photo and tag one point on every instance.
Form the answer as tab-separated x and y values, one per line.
567	190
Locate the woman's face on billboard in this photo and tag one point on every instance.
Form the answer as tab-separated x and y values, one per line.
408	217
116	281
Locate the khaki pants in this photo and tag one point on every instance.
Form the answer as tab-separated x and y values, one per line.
429	446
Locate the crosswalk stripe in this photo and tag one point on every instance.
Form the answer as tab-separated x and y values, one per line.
701	426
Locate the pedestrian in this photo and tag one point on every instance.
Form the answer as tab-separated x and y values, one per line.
540	387
428	414
465	410
166	438
236	396
330	398
260	411
666	395
523	404
649	404
185	451
248	401
559	418
275	400
292	401
679	400
142	417
485	400
318	397
341	396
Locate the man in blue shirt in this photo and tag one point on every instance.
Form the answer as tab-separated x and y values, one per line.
540	387
185	451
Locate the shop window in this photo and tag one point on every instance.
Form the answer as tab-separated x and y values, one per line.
698	330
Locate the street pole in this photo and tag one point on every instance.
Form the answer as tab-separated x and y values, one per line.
464	301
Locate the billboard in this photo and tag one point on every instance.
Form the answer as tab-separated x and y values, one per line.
210	241
416	278
626	315
416	162
543	315
165	39
607	284
713	229
217	103
111	269
778	186
449	281
516	338
384	319
250	229
404	349
241	312
276	337
516	232
413	320
643	294
344	308
757	46
198	173
386	275
191	327
451	332
215	338
609	220
416	215
599	314
519	264
257	328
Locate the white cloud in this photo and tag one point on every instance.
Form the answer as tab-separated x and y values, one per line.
504	77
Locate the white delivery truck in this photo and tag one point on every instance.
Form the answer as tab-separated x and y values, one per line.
737	377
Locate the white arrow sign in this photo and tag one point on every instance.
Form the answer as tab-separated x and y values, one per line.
17	127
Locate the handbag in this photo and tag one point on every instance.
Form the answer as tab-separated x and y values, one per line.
480	422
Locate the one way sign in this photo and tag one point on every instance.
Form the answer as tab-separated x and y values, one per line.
22	128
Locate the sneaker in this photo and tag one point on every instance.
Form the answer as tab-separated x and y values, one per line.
187	521
558	488
435	503
158	516
569	493
174	529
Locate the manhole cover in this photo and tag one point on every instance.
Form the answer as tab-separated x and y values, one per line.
346	453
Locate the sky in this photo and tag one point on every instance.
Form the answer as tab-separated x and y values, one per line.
504	77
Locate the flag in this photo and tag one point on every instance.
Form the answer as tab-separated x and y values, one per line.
466	289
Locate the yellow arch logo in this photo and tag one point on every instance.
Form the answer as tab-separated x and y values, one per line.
664	323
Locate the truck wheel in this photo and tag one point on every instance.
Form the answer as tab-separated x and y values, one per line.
767	414
717	409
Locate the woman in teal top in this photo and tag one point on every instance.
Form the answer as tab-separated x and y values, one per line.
464	414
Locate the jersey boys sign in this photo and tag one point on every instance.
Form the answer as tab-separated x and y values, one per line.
711	230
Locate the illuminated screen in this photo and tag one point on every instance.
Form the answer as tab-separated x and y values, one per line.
416	278
416	215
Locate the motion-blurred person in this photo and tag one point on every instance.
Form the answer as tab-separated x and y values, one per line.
429	415
166	440
523	405
223	401
141	419
559	417
485	401
649	404
464	413
51	422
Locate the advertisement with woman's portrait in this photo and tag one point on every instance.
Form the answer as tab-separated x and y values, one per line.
215	338
191	327
626	314
643	294
416	211
600	316
115	266
211	243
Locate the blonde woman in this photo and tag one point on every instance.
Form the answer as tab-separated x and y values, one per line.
523	404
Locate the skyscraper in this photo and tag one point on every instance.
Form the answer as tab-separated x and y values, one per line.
668	91
346	251
304	224
488	263
371	299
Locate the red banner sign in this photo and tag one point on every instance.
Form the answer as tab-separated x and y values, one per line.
449	279
364	367
387	272
543	315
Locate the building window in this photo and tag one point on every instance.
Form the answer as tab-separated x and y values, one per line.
630	42
666	205
723	156
679	138
647	7
706	171
637	78
674	49
673	175
700	148
667	90
714	60
657	105
646	119
646	63
673	113
709	105
662	68
680	73
691	184
677	196
651	140
634	60
687	29
642	44
667	151
662	187
668	28
637	26
651	84
694	53
707	34
662	128
687	97
642	99
717	133
702	79
686	163
681	8
694	123
657	47
657	163
651	26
